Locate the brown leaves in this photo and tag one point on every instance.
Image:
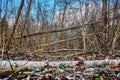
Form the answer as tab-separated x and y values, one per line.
64	78
115	66
87	72
80	64
45	77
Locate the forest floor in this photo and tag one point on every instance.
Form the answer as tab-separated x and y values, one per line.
104	71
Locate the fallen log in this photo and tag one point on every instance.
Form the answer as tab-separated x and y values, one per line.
38	64
93	63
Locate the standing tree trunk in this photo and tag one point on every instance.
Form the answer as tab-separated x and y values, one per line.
114	33
25	21
63	19
104	15
14	25
116	36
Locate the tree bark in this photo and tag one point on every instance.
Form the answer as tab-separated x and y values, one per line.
38	64
14	25
26	18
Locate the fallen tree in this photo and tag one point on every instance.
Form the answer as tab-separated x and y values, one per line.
38	64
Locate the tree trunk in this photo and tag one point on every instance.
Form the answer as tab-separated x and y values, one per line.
14	25
25	21
37	64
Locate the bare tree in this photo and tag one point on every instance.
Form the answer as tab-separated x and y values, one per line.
15	24
26	18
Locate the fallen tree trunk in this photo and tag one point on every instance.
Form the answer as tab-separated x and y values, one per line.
38	64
